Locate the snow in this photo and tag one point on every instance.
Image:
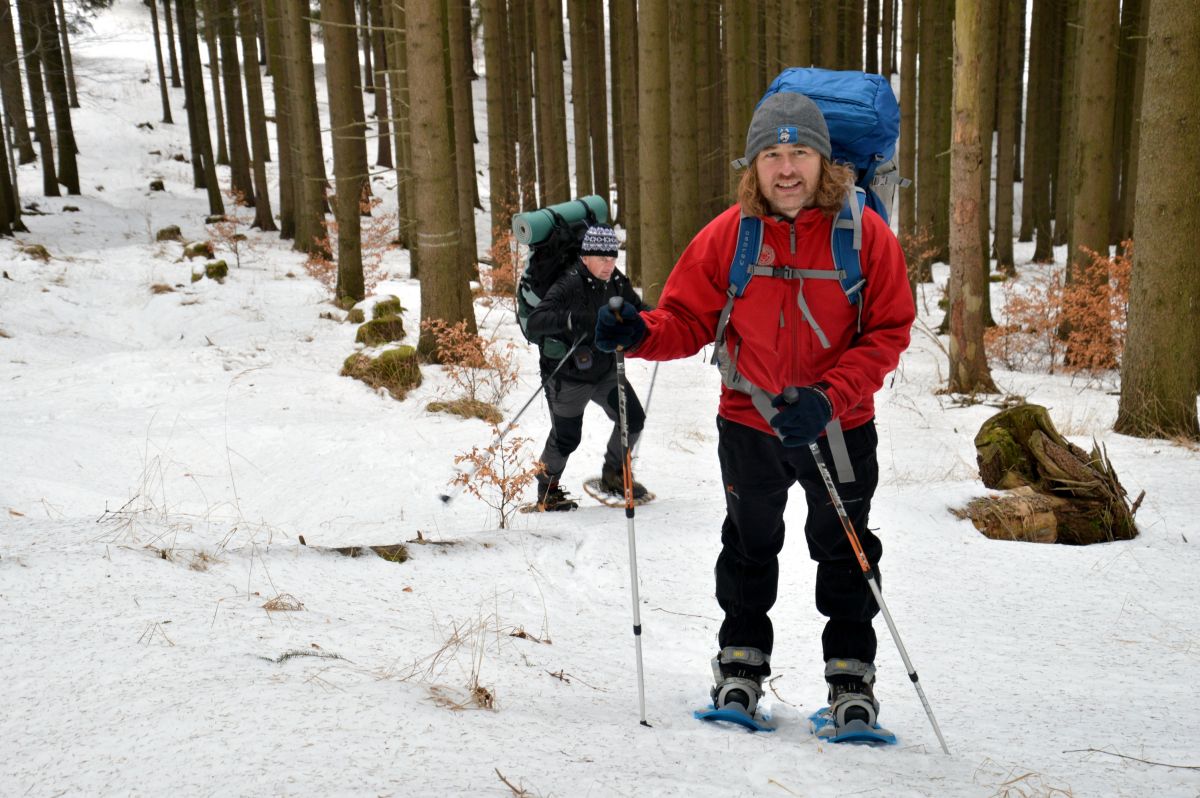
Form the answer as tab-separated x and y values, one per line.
161	454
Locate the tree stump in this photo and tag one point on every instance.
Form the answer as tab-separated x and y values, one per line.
1020	448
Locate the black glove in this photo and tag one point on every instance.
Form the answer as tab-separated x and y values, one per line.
801	418
624	333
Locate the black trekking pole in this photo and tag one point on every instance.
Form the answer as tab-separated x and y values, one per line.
790	394
449	497
646	406
615	304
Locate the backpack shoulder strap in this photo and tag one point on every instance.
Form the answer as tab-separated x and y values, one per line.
846	243
741	269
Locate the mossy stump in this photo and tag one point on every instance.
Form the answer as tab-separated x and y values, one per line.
356	316
387	307
380	331
198	249
217	270
169	233
397	370
1019	448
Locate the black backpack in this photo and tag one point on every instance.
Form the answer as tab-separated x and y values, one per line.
547	260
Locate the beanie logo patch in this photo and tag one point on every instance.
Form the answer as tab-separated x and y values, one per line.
788	134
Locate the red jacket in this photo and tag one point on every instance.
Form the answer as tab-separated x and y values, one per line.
778	348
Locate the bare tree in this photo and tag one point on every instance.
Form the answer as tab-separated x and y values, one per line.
158	59
10	87
259	142
654	156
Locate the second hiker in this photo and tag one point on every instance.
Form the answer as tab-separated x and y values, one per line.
568	312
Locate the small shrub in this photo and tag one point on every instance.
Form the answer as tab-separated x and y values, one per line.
225	231
217	270
499	473
356	316
161	288
376	237
481	370
396	371
380	331
36	251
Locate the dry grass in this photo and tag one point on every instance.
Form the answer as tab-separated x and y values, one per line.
284	602
161	288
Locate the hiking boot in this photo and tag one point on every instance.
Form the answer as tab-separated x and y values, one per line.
552	498
738	672
851	692
613	481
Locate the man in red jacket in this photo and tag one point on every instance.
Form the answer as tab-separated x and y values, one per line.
790	329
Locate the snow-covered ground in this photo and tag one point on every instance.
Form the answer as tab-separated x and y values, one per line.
160	454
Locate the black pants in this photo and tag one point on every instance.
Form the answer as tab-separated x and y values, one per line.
757	471
568	399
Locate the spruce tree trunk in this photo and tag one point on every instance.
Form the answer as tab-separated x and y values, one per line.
943	105
1129	172
383	129
37	96
654	156
68	62
872	60
502	177
598	102
1069	97
347	132
1093	171
259	143
1008	104
551	105
932	27
283	141
908	122
684	161
581	80
1160	373
459	97
394	16
214	74
989	50
235	110
740	97
174	60
197	108
308	182
617	209
158	60
444	294
56	84
826	32
969	372
796	20
887	60
626	21
527	146
10	87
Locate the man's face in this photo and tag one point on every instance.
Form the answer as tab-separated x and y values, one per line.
600	266
787	176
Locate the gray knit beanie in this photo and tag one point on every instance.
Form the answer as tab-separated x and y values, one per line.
785	117
600	239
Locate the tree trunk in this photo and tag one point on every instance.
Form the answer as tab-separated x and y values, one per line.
598	102
347	132
68	63
502	175
1012	18
158	60
235	111
683	159
1068	113
383	130
283	142
37	96
174	60
308	181
203	166
551	105
625	15
943	105
363	29
259	143
581	80
925	194
464	151
527	144
887	61
214	74
1129	173
10	87
740	91
56	84
969	372
989	41
907	225
872	60
444	294
796	46
654	147
397	57
1160	373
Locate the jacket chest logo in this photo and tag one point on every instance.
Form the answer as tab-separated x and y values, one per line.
766	256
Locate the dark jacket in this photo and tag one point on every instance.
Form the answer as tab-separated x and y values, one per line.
568	311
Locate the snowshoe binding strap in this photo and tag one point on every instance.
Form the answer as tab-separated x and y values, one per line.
738	672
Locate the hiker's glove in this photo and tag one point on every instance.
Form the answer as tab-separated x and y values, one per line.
801	417
623	333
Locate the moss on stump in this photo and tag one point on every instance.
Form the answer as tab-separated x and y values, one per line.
387	307
380	331
1019	448
397	370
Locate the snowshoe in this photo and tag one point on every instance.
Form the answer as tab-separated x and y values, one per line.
852	714
612	480
738	673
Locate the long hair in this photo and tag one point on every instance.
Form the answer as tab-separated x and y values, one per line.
836	179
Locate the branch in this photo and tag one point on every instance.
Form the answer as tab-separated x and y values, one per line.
1134	758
